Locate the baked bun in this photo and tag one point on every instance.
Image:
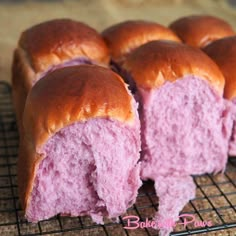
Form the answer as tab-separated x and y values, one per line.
77	137
124	37
51	45
223	52
53	42
159	61
200	30
185	122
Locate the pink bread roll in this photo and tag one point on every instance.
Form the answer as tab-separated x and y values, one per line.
200	30
185	122
79	155
49	46
223	52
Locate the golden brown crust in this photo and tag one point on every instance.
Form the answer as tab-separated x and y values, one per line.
77	94
223	52
158	61
124	37
55	41
63	97
200	30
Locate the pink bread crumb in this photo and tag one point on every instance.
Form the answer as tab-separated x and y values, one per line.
186	127
90	168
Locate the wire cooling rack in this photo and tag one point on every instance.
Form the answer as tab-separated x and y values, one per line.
215	198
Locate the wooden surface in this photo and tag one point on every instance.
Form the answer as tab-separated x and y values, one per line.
16	16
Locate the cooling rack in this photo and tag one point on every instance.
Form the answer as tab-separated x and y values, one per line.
215	197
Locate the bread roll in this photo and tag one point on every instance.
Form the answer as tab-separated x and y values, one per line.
200	30
185	122
81	145
124	37
48	46
223	52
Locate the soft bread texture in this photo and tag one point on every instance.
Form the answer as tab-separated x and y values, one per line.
50	44
186	127
124	37
74	97
90	169
223	52
185	122
174	192
200	30
156	62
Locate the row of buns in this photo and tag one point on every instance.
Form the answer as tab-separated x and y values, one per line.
35	54
175	113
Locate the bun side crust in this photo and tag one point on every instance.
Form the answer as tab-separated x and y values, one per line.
200	30
28	162
223	52
22	75
56	41
156	62
122	38
65	96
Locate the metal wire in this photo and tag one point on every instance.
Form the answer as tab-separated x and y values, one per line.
215	200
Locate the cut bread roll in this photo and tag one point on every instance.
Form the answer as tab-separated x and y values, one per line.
200	30
223	52
79	155
51	45
185	122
